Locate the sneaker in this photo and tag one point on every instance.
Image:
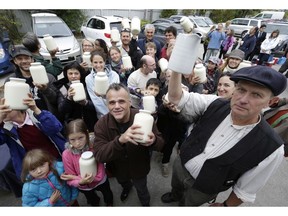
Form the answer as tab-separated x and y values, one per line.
165	170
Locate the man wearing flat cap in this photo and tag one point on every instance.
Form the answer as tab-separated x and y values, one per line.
231	144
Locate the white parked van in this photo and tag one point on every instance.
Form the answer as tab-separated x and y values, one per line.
270	15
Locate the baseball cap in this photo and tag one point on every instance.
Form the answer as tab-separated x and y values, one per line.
20	50
262	75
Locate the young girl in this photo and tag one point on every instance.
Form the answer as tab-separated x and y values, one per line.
78	137
42	183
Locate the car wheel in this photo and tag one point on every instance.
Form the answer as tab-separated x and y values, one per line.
243	34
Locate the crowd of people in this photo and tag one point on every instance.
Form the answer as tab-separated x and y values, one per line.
225	139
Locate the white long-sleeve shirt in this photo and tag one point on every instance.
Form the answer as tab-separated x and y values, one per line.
268	44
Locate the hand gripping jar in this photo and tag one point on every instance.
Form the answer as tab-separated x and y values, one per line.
87	164
79	90
49	42
38	73
145	120
15	91
86	58
101	83
200	71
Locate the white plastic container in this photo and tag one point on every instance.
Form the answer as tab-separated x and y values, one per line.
87	164
49	42
186	24
79	90
184	53
125	23
145	119
115	36
126	60
101	83
149	103
38	73
15	91
163	64
200	71
86	58
135	25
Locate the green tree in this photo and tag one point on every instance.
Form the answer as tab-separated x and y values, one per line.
167	13
9	23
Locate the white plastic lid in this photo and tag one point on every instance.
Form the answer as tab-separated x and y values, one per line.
35	63
87	154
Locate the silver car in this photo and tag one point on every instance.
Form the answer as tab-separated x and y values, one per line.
241	26
48	23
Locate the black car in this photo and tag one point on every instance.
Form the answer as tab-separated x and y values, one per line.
159	31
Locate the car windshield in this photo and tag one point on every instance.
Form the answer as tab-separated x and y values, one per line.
200	22
270	27
54	29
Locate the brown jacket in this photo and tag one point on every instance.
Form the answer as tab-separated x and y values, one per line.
124	161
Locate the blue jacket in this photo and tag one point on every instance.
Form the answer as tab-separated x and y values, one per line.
38	191
46	122
142	42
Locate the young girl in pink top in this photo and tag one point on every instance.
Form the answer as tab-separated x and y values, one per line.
78	142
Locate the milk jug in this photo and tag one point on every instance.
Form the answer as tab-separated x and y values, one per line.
126	60
38	73
86	58
87	164
79	90
49	42
184	53
149	103
115	36
145	120
200	71
101	83
15	91
125	23
135	25
163	64
186	24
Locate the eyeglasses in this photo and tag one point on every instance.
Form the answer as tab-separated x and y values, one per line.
87	45
126	30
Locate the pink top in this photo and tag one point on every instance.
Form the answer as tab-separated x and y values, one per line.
71	166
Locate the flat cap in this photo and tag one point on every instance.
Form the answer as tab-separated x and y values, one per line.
214	60
20	50
264	76
237	54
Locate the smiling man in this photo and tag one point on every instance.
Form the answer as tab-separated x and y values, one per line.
115	144
231	145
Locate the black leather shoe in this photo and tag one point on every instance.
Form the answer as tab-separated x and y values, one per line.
125	193
168	198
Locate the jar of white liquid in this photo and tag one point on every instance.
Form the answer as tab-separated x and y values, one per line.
186	24
125	23
163	64
185	53
145	120
87	164
126	60
200	71
49	42
149	103
86	58
79	90
115	36
101	83
15	91
135	25
38	73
